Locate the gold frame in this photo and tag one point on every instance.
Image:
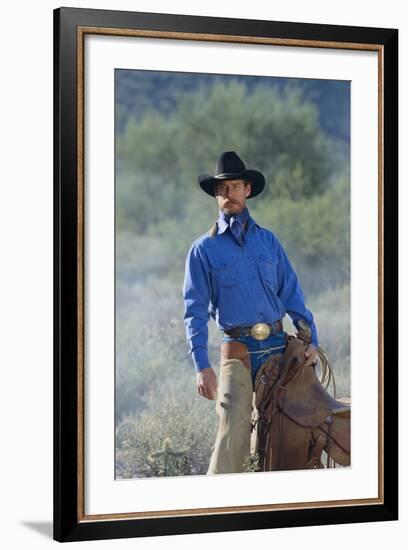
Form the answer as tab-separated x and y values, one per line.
82	31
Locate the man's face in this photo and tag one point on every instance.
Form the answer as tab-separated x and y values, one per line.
231	195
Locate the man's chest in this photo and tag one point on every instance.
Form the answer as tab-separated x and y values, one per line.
231	264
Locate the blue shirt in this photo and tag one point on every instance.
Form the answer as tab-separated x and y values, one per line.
238	285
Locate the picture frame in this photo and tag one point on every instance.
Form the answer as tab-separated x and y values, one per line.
72	26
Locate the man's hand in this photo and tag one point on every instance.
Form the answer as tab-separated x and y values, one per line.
207	383
310	354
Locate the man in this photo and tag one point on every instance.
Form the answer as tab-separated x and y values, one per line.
238	274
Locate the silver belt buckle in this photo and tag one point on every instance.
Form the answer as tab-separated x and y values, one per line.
260	331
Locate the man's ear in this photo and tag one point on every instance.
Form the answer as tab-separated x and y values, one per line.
248	188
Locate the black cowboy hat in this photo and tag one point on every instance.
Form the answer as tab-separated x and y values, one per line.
231	167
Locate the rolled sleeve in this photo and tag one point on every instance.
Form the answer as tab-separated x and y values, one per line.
196	294
291	295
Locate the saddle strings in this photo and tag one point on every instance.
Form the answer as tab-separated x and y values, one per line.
265	351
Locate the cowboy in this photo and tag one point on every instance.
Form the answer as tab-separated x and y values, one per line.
239	274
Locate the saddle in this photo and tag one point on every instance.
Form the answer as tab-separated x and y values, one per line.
297	417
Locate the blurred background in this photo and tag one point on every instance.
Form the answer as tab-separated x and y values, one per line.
170	127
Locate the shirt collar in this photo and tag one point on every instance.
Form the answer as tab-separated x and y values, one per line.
223	225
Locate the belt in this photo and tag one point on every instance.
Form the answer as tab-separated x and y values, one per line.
260	331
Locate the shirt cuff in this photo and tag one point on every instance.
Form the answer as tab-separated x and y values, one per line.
200	358
314	339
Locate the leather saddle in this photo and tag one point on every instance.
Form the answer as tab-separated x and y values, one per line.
304	399
297	417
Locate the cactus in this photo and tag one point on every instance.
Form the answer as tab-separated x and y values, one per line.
252	463
168	462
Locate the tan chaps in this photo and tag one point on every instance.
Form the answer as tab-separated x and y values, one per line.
234	407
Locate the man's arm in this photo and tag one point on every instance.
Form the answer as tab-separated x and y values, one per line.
196	294
290	293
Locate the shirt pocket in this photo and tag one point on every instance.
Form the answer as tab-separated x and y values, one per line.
225	270
268	268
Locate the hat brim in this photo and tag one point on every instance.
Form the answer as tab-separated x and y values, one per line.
257	180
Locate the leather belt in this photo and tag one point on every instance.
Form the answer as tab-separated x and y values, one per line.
260	331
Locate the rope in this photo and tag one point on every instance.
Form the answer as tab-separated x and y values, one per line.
326	374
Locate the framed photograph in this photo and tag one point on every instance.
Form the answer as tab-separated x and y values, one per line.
225	274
